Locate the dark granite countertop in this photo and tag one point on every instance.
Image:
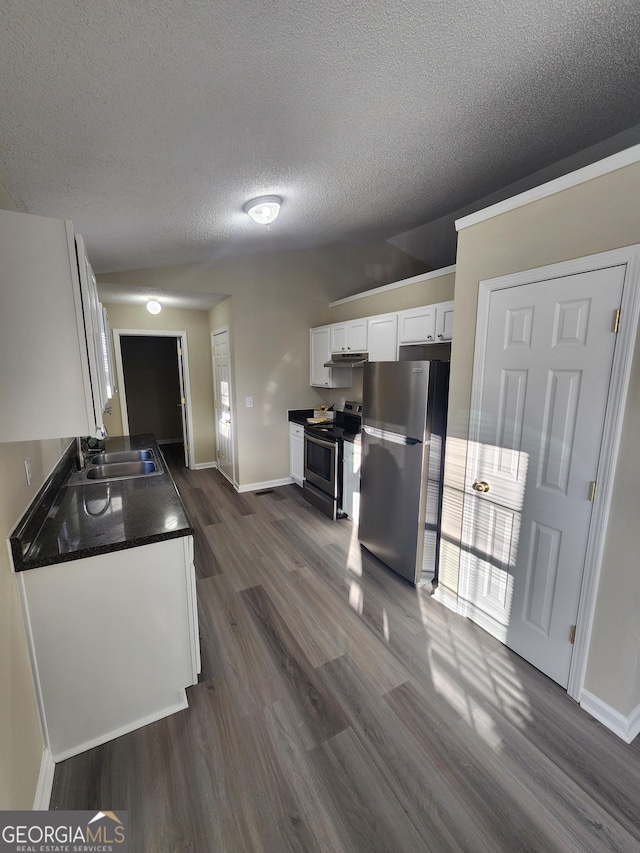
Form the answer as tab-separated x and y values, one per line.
67	522
299	416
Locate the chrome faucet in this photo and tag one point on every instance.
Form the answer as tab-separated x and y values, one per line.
80	457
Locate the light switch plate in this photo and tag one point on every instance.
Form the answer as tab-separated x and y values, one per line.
249	401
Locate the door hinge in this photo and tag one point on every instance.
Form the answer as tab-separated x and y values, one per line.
592	491
616	322
179	350
572	634
182	401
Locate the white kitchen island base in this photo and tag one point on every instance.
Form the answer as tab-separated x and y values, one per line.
113	640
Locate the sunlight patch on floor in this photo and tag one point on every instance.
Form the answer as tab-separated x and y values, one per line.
356	597
472	674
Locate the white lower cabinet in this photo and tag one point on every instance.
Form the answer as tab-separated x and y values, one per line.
113	641
351	480
296	452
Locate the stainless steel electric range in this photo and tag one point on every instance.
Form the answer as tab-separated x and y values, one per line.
323	456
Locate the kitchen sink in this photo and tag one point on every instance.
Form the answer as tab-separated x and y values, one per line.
114	470
120	465
122	456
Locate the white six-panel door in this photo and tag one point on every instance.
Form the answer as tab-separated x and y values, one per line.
222	393
532	458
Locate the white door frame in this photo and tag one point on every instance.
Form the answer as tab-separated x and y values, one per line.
155	333
621	370
231	398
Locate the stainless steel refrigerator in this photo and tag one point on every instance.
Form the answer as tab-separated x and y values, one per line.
404	412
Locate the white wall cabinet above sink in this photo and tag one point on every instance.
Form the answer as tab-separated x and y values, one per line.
53	366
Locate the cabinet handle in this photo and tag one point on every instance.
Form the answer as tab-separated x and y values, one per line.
441	336
429	337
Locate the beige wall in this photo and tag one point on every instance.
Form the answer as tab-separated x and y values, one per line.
438	289
21	741
196	325
275	299
597	216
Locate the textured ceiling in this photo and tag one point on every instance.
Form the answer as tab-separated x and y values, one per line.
149	123
120	294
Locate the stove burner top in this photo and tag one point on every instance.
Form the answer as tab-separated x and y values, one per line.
345	426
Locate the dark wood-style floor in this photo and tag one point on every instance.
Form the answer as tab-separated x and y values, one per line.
339	709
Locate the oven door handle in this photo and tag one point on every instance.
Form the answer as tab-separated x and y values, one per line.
321	441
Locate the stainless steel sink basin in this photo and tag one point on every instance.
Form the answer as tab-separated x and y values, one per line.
119	465
114	470
122	456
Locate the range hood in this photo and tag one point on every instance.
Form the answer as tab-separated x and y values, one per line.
347	359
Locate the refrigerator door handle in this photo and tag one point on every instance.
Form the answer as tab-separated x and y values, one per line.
392	437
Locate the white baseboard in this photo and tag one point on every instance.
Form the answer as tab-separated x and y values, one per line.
490	624
625	727
445	596
45	783
268	484
180	705
200	465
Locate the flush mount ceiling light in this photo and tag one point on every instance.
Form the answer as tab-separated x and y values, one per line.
153	306
263	210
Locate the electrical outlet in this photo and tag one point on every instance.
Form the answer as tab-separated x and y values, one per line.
27	470
249	402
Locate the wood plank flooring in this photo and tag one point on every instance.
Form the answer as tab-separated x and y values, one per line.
339	709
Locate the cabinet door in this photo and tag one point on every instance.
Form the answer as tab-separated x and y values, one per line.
383	337
351	480
91	309
327	377
444	321
133	648
320	353
358	335
44	370
417	325
339	337
296	453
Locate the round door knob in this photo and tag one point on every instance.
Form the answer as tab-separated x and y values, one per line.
481	486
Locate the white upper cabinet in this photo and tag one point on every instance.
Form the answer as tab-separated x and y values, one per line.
48	374
417	325
320	352
349	337
444	322
383	337
430	324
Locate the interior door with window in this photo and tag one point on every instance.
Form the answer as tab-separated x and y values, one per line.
536	436
222	395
